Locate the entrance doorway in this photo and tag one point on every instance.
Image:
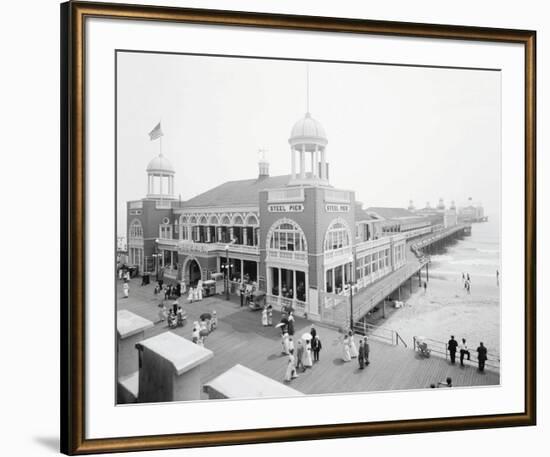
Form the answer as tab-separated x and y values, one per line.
194	273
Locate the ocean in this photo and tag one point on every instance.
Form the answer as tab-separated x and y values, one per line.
477	255
446	308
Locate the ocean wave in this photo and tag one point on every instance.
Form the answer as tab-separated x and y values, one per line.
476	262
488	251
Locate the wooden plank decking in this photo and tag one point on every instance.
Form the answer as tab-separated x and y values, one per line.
240	338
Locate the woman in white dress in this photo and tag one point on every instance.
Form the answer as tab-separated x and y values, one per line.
195	294
285	342
190	296
264	317
308	362
290	368
196	332
352	347
346	356
199	292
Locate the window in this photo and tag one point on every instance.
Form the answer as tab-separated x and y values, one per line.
136	229
166	232
337	236
287	236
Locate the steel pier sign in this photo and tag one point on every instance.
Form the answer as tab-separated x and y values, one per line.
286	208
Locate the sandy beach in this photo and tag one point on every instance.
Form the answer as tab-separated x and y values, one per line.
447	309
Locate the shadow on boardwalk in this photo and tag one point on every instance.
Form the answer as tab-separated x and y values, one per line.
240	338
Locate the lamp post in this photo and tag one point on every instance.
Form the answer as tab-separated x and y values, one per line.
227	268
227	272
156	255
351	305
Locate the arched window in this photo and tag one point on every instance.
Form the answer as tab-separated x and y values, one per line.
252	221
214	220
225	220
237	220
286	235
136	229
337	236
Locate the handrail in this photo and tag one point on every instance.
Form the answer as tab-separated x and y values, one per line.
383	333
440	348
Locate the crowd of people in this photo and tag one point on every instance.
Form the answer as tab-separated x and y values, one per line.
453	346
350	350
302	354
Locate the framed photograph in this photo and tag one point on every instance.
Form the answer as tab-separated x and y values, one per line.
282	228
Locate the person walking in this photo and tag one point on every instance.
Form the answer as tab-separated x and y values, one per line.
468	286
290	323
161	313
346	356
290	368
481	357
290	344
308	363
361	355
425	286
464	352
452	345
366	347
352	347
190	295
241	293
284	342
468	277
316	346
313	331
125	289
264	317
300	356
269	315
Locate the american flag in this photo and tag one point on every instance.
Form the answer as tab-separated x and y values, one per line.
156	132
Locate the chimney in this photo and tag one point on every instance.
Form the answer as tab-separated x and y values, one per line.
263	165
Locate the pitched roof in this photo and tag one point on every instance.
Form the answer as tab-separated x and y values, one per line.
391	213
361	214
237	193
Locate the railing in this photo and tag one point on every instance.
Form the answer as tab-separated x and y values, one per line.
384	334
295	256
298	306
440	348
340	252
362	308
438	234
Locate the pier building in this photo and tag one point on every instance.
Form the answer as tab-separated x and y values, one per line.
297	237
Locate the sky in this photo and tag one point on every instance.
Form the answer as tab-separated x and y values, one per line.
395	133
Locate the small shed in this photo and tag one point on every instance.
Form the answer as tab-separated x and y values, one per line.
242	382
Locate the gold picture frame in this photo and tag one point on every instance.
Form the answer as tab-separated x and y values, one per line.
73	214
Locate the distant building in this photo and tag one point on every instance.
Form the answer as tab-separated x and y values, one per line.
472	212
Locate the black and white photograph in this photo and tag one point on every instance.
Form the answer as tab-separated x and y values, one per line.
304	227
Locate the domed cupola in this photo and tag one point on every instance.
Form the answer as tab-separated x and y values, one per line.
308	141
160	178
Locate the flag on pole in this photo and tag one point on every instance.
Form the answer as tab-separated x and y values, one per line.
156	133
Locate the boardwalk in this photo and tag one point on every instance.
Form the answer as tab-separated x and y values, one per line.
240	338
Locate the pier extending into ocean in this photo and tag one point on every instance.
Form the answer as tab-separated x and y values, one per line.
344	310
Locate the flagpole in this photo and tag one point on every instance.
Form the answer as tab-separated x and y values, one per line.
160	154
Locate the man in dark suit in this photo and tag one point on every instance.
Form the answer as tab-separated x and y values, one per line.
316	347
481	357
451	346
